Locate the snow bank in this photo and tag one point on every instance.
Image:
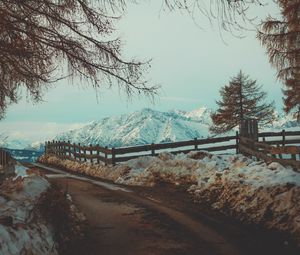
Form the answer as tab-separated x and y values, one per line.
20	231
107	172
20	171
252	191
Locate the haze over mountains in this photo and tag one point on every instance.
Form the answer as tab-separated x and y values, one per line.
142	127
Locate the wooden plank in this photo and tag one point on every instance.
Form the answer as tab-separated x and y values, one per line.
113	156
287	133
175	145
270	134
182	151
122	159
216	148
94	156
219	148
253	152
132	149
87	156
268	159
292	133
216	140
287	142
250	142
161	146
94	148
285	150
103	150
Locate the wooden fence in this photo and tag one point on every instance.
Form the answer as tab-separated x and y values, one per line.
284	147
111	156
5	158
97	154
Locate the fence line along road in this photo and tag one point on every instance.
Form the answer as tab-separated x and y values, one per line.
282	153
5	158
111	156
6	164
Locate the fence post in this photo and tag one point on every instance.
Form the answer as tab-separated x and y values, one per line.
63	149
152	150
105	156
237	150
45	151
74	151
98	154
91	153
283	137
59	150
68	149
84	153
113	156
52	147
280	154
79	152
4	158
255	130
196	144
56	148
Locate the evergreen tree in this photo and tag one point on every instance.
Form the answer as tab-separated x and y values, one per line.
241	99
282	40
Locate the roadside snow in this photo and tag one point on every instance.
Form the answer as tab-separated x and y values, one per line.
20	231
20	171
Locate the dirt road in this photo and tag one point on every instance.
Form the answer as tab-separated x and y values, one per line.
161	221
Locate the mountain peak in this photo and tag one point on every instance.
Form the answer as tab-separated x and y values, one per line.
141	127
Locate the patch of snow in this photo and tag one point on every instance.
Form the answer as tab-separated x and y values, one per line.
19	233
20	171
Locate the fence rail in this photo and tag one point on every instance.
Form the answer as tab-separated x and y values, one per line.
5	158
282	153
97	154
111	156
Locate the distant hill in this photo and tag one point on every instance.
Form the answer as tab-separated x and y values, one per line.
142	127
23	155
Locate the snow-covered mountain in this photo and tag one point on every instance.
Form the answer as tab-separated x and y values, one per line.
142	127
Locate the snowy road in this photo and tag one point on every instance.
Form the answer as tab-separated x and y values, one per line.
158	221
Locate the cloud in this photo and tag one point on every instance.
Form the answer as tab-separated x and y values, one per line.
35	131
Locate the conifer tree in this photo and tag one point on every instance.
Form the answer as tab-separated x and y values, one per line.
241	99
282	40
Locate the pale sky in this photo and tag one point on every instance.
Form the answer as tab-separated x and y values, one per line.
190	63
